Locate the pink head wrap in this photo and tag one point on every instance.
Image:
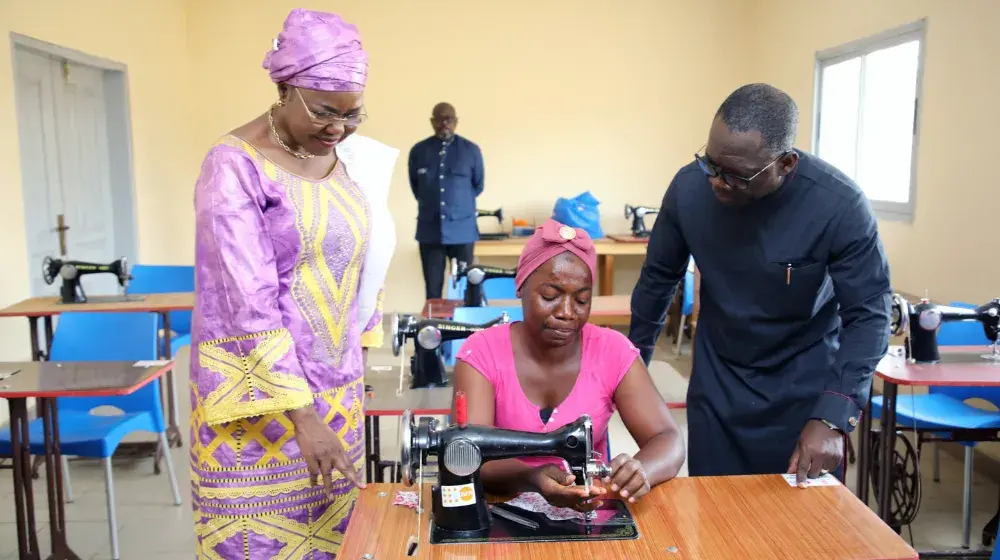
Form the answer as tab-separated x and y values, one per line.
318	51
550	240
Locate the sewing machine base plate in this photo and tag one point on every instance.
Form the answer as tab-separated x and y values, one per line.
108	299
622	527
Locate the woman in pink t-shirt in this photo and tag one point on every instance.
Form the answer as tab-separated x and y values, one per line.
544	372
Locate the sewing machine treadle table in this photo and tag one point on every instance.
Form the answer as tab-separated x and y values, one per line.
47	307
698	518
47	382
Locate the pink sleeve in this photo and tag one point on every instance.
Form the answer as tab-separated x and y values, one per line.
477	351
616	356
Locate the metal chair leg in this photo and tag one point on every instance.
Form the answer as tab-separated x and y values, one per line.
112	516
170	468
69	485
967	498
680	335
937	462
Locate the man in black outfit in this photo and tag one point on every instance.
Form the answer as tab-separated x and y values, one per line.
446	176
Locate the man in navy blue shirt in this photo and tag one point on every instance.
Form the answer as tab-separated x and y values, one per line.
446	176
795	294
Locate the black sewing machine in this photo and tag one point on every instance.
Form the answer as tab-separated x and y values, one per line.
427	364
920	324
475	275
72	271
498	214
459	510
638	215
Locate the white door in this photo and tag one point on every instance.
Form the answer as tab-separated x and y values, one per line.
62	123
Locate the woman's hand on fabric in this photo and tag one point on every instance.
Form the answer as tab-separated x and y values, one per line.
322	450
558	488
628	478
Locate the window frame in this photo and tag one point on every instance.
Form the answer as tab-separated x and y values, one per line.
896	211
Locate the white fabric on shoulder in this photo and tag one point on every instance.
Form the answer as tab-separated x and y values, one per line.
370	164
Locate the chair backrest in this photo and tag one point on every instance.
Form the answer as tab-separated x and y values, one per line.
87	337
499	288
478	316
455	292
687	304
494	288
159	279
965	333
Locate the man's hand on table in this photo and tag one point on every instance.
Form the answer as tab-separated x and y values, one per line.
820	450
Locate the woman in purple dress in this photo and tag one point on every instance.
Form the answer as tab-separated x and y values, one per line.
294	239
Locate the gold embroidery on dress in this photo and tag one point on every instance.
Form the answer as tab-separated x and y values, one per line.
246	376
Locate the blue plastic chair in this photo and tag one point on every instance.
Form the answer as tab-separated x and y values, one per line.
943	409
103	337
159	279
495	289
687	305
478	316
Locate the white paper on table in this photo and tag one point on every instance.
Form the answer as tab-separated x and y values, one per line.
151	363
825	480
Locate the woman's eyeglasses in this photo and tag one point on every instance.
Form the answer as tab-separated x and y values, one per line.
734	181
326	119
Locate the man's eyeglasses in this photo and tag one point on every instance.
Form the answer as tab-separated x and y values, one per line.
326	119
734	181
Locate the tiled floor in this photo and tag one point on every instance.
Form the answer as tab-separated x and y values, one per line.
151	527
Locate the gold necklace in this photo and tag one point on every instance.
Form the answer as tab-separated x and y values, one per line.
274	132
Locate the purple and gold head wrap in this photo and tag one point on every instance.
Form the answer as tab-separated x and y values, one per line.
318	51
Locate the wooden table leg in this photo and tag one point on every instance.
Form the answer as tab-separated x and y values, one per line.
173	432
606	275
54	482
24	501
37	355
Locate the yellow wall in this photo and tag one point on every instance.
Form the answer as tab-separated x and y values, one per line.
562	96
150	37
950	247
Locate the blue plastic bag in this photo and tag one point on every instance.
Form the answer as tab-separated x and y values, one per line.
580	212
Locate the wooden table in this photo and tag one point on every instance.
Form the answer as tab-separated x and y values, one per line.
607	250
163	304
895	370
606	311
704	518
47	381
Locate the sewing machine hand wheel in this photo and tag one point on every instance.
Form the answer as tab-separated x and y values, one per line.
899	323
399	333
409	457
48	274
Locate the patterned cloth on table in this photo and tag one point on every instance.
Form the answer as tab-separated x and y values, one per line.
278	262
